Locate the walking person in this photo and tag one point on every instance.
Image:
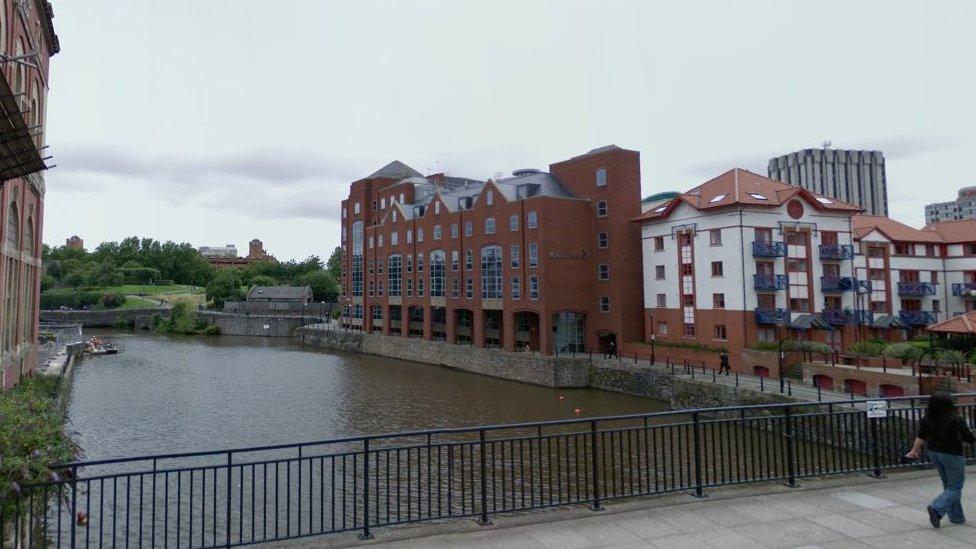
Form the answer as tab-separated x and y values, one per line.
613	349
942	432
723	364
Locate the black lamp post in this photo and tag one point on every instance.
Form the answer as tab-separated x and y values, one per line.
653	359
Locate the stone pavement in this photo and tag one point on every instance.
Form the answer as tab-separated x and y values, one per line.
852	511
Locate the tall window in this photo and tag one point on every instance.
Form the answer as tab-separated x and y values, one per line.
394	266
513	222
468	260
602	240
605	304
357	257
532	220
467	228
489	198
420	234
715	237
533	287
516	288
601	208
658	243
514	253
604	271
437	231
455	288
533	254
394	239
454	260
601	177
437	273
490	225
454	230
491	272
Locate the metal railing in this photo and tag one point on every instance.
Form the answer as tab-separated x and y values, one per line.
838	317
771	282
763	248
964	289
916	318
835	251
917	288
269	493
772	316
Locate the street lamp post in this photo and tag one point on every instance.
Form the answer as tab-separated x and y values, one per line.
653	358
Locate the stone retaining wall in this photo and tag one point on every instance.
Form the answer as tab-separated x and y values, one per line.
97	319
253	325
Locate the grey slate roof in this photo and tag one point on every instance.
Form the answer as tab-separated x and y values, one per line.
598	150
395	170
279	292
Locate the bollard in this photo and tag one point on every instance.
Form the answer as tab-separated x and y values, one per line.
789	387
737	380
762	384
819	399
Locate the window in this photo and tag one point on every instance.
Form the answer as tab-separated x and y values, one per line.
394	216
533	287
379	287
383	203
379	241
604	304
420	287
601	208
454	260
934	277
394	238
437	232
371	287
662	301
720	332
355	208
601	177
420	263
467	228
717	268
513	222
602	240
409	236
715	237
491	272
718	301
345	212
662	328
409	287
437	207
409	263
393	274
455	288
489	198
659	272
799	305
516	288
468	288
533	254
468	260
936	306
689	330
514	253
603	271
371	264
658	243
454	230
420	234
490	225
532	220
437	273
370	242
372	206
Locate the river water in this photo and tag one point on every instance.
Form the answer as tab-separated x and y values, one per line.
164	394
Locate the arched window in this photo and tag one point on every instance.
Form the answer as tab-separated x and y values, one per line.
393	272
13	226
437	273
491	272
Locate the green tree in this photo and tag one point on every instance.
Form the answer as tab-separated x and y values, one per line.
225	285
324	286
334	265
263	280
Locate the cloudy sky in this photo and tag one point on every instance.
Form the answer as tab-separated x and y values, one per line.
218	121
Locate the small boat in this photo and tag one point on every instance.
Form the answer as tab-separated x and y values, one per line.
96	346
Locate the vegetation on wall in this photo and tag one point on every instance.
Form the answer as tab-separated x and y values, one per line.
183	320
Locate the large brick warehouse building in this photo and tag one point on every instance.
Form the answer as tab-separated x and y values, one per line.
544	261
28	41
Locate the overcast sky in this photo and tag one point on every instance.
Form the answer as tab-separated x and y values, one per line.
218	121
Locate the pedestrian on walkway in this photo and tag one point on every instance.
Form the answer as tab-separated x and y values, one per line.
723	364
612	348
942	432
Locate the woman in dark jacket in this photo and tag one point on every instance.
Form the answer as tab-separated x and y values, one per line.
942	432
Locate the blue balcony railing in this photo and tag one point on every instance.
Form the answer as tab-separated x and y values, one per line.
772	316
836	283
762	248
964	289
770	283
836	251
837	317
917	288
916	318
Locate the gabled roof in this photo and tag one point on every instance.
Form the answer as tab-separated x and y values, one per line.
395	170
953	232
893	230
279	292
742	187
962	324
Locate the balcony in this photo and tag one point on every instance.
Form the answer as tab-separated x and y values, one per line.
917	289
772	316
761	248
770	283
964	289
836	251
844	284
916	318
839	317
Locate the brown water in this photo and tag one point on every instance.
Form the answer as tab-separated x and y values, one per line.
165	394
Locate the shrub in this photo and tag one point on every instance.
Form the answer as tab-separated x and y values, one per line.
120	322
75	299
952	356
808	346
867	347
904	351
211	329
111	301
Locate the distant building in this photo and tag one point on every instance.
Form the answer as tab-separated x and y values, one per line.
256	251
75	242
292	295
963	207
855	177
229	250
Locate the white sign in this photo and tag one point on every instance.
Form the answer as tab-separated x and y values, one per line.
877	408
267	327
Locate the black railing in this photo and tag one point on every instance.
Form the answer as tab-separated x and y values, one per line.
270	493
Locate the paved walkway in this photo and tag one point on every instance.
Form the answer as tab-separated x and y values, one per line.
848	512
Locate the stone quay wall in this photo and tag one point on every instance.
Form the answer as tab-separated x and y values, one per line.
98	319
253	325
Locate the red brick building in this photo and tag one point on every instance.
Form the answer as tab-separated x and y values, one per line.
549	261
27	41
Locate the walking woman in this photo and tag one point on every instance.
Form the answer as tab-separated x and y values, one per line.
942	432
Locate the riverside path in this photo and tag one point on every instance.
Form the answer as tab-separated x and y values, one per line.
847	512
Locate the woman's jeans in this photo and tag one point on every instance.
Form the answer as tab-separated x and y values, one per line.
952	471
